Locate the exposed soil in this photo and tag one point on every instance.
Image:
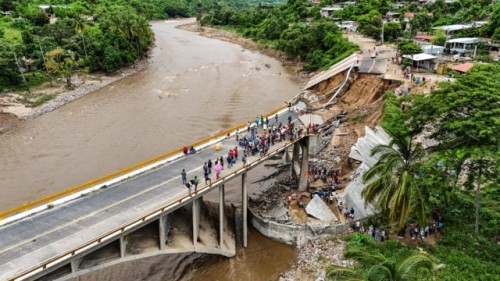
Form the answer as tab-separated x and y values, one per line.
360	105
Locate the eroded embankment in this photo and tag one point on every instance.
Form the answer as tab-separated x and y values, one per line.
359	104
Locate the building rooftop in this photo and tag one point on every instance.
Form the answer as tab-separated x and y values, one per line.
425	37
420	57
331	9
464	67
465	40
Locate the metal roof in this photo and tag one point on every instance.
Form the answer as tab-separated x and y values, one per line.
465	40
420	57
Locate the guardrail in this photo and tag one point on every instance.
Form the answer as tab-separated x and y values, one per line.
50	198
113	233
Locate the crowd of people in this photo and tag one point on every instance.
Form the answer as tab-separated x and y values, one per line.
325	172
414	231
257	139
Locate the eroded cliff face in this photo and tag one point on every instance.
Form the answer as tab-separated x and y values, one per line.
359	104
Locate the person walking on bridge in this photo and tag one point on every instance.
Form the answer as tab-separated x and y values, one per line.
209	166
196	182
217	169
184	176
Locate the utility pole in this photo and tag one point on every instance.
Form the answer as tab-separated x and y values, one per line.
382	36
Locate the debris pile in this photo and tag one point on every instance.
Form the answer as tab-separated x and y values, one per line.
314	257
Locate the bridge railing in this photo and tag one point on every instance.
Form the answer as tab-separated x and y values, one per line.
75	189
174	203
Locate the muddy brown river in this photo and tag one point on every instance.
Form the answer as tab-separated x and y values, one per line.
193	87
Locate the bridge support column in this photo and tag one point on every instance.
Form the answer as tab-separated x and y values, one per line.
75	264
244	200
123	246
295	158
304	167
196	219
163	230
221	217
312	143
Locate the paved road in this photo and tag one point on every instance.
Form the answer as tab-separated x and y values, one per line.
30	241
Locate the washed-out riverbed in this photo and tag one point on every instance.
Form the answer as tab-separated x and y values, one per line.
192	87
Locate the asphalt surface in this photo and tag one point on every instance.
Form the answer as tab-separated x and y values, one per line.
28	242
372	65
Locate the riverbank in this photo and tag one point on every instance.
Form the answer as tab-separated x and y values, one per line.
13	109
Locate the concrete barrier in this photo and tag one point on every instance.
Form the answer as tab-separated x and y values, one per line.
297	234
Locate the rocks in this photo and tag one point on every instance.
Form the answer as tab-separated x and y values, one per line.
314	257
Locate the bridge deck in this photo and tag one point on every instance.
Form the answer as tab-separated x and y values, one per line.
28	242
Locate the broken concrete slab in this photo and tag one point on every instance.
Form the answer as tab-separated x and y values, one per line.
318	209
279	213
311	119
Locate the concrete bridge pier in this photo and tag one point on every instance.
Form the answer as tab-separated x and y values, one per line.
75	264
304	166
196	219
301	149
221	217
123	246
163	229
295	159
244	201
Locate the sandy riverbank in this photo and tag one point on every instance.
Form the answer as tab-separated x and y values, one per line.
12	109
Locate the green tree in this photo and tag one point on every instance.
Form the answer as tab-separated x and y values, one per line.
62	63
409	48
393	181
399	264
468	122
61	30
392	30
371	24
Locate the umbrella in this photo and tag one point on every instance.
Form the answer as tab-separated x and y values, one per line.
218	168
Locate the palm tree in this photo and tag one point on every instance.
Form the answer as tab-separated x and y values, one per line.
80	27
393	181
400	265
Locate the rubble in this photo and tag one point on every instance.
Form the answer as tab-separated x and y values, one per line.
314	256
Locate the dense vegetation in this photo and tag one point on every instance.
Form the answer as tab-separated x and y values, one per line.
457	172
117	35
99	35
294	28
383	261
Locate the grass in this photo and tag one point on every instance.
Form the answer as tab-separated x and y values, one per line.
31	101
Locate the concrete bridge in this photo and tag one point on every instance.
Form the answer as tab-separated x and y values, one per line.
138	212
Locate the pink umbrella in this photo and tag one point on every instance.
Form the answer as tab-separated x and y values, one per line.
217	169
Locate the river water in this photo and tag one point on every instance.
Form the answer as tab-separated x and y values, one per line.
192	87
